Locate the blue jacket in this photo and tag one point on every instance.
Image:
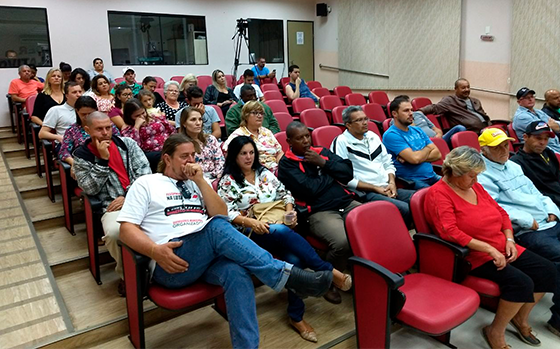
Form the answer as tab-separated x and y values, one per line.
523	117
517	195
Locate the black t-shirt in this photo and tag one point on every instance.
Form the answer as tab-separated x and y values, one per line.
43	103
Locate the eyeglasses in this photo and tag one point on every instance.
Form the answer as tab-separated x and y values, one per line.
126	94
257	113
360	121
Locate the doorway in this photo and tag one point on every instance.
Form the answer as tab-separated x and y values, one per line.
300	48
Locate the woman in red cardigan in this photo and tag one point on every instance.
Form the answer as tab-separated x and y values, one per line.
461	211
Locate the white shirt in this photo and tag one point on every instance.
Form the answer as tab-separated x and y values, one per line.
60	118
237	91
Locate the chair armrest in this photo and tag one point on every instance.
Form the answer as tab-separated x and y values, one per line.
394	281
137	272
438	169
94	202
404	183
139	259
327	110
441	258
47	144
500	121
66	166
458	250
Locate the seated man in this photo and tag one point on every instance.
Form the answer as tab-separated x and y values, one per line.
297	87
24	87
461	109
210	118
129	76
533	215
526	114
248	79
538	162
410	147
177	219
233	116
552	105
374	172
314	176
262	72
61	117
106	166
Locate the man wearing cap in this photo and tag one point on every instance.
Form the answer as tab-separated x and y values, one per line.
526	113
551	106
538	162
129	76
533	215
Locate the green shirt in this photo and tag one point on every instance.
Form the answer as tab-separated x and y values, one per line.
233	119
135	89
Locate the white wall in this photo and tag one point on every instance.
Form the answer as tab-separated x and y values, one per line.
77	40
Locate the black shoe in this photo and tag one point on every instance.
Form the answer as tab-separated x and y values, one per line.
553	327
121	288
309	283
333	296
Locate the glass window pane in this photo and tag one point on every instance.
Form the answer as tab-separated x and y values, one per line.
25	37
266	39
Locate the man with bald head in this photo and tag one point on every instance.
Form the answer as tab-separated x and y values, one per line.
461	109
552	105
105	166
24	87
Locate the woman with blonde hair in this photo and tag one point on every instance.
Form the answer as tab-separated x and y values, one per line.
51	96
219	93
188	81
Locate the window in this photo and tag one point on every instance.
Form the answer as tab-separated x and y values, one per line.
25	37
266	39
144	38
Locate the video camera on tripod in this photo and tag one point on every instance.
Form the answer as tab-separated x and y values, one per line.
241	35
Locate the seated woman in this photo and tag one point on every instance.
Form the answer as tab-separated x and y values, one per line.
82	78
149	131
251	125
102	93
75	135
245	182
461	211
171	104
219	93
51	96
122	94
149	83
208	152
188	81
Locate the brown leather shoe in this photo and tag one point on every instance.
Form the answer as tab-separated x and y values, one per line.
305	330
333	296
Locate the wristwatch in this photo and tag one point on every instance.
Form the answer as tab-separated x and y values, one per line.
510	239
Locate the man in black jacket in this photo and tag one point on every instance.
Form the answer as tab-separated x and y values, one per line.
552	105
538	162
315	177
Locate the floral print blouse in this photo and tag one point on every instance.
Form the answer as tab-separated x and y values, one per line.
74	137
267	145
211	159
103	105
150	137
239	199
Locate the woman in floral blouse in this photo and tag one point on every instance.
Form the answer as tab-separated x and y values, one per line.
102	93
245	182
149	131
270	150
208	152
75	135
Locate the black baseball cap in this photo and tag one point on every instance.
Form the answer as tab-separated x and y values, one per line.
539	127
524	91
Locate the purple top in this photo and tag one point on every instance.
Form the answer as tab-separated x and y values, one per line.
74	137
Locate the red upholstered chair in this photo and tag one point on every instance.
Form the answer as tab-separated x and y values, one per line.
160	91
511	132
374	112
451	264
269	87
281	138
372	126
94	231
328	103
136	277
434	120
469	138
230	80
379	97
321	92
273	96
314	118
342	91
420	102
69	188
178	78
337	115
386	124
49	166
25	122
160	83
283	119
118	80
313	84
284	81
324	135
301	104
442	147
427	303
355	99
204	81
277	106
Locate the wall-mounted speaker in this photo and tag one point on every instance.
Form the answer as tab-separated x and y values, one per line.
322	10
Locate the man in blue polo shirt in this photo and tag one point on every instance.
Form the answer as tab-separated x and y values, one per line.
262	72
411	149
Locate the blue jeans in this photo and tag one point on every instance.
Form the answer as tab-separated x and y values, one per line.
546	243
447	136
221	256
425	183
291	247
402	202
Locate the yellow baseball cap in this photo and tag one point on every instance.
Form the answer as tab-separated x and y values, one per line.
492	137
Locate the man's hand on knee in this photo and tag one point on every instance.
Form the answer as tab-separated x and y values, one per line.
116	204
167	259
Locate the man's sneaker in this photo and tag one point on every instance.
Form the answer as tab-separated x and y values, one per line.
309	283
554	328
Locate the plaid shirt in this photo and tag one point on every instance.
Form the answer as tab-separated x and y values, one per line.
96	178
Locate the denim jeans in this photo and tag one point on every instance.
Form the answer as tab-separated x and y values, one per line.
221	256
402	201
546	243
291	247
425	183
447	136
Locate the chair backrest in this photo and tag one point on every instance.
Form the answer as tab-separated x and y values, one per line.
314	118
374	112
269	87
204	81
313	84
230	80
420	102
321	92
337	114
178	78
372	126
417	210
376	231
160	91
386	124
118	80
30	104
160	82
468	138
511	132
283	119
269	81
303	103
379	97
342	91
277	106
323	136
355	99
273	95
220	114
284	81
329	102
441	144
434	120
281	138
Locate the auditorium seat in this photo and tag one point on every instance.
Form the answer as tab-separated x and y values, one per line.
323	136
313	118
273	95
303	103
25	122
204	81
230	80
443	149
337	115
420	102
313	84
355	99
328	103
283	119
321	92
373	127
374	112
269	87
277	106
342	91
511	132
178	78
468	138
281	138
160	83
379	97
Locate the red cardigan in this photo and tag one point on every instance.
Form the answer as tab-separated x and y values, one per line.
456	220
